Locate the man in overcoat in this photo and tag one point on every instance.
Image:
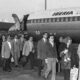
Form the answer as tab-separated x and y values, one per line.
42	50
16	50
6	54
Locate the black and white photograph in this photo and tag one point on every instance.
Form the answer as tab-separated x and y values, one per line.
39	39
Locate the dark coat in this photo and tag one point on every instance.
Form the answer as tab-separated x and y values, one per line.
62	46
42	49
73	55
64	65
52	52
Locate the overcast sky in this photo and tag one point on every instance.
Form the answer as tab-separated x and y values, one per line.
22	7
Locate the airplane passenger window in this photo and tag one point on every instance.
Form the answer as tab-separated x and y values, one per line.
57	19
52	19
31	21
66	19
61	19
73	18
40	20
45	20
78	18
35	21
49	19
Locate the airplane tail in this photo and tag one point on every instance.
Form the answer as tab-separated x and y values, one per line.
19	25
24	22
16	25
15	17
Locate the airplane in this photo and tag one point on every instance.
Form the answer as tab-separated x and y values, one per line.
61	22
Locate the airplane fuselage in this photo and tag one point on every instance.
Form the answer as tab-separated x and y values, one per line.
64	23
71	29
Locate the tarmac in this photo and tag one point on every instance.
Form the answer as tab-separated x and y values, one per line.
24	74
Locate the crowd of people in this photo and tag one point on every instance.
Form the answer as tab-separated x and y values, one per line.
42	53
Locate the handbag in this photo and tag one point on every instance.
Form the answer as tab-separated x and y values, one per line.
12	60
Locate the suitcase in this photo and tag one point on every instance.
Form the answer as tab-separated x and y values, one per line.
74	73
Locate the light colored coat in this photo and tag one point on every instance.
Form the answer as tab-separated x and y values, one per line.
26	48
6	51
16	51
16	48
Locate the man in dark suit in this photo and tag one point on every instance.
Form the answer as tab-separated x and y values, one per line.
42	50
51	58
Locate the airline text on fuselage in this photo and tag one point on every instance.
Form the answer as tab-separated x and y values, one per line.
62	13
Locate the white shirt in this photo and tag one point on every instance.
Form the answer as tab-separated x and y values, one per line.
9	44
44	40
15	40
31	45
51	43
